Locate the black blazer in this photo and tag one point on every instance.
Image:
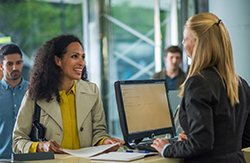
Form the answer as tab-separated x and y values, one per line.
215	129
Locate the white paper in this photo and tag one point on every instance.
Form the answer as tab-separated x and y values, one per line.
89	151
121	156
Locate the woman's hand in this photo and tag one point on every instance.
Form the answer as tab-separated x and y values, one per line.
113	141
49	146
183	136
158	144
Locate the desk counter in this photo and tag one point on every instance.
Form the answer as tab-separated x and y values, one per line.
64	158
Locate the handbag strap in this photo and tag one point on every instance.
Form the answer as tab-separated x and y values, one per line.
36	115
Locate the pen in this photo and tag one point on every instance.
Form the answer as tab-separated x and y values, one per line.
131	151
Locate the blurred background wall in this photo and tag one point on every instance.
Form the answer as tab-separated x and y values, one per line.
235	15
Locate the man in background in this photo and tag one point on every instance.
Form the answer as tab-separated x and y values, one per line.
12	89
172	72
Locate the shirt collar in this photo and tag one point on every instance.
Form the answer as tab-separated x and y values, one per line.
20	86
72	90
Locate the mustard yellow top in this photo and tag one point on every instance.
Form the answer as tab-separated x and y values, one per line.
68	110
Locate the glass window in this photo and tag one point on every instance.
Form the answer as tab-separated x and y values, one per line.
31	23
131	46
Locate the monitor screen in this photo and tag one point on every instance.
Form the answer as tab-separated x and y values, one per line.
143	108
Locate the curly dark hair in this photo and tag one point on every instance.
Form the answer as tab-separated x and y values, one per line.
45	76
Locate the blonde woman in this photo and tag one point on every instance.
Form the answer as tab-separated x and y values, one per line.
214	111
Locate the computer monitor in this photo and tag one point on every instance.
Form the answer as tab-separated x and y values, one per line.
144	109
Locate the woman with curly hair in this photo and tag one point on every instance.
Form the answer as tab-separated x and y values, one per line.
71	108
215	109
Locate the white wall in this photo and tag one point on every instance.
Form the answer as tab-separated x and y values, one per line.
235	14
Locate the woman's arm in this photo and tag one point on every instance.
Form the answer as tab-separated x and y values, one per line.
98	120
99	125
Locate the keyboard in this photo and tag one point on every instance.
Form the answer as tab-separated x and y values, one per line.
147	145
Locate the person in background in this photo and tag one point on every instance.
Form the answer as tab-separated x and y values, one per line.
214	112
12	90
172	72
71	108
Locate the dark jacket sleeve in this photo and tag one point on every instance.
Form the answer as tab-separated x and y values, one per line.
197	103
246	133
